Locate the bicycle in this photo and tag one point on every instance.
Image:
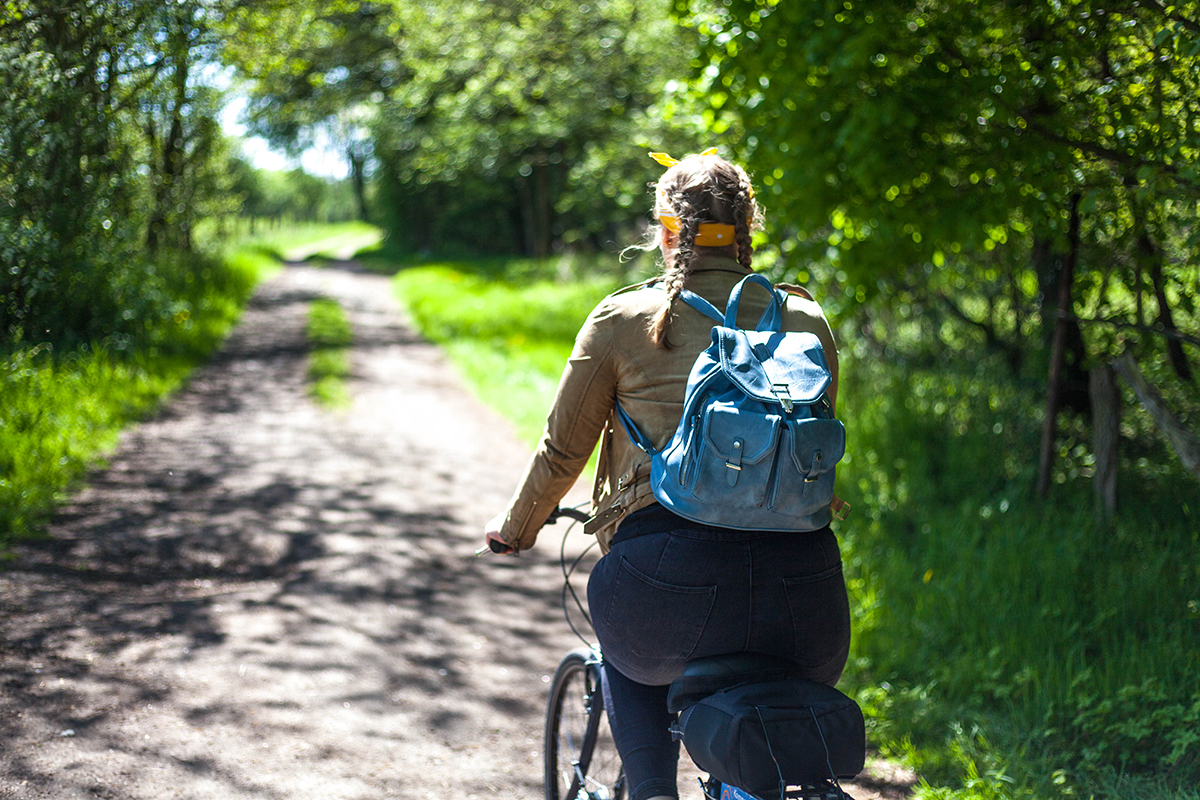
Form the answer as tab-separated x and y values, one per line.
581	759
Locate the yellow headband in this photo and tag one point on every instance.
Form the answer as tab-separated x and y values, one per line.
708	234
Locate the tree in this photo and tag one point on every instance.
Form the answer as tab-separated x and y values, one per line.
108	143
318	66
1040	158
65	183
500	103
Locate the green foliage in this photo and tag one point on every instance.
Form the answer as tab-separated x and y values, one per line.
977	608
60	408
54	417
109	149
500	130
1141	726
330	336
328	325
293	195
933	154
292	242
317	68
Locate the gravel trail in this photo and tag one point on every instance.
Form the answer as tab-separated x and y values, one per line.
261	598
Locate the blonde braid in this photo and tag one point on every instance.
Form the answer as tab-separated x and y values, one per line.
695	191
679	265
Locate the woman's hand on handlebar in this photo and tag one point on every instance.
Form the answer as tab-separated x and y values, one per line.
491	536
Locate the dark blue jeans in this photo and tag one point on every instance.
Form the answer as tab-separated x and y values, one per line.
670	590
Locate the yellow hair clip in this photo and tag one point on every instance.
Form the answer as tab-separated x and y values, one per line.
708	234
668	162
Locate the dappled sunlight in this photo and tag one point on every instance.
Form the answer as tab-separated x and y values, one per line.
256	594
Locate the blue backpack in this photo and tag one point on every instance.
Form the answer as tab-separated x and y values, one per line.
757	443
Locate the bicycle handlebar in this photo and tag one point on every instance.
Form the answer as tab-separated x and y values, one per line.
558	513
570	513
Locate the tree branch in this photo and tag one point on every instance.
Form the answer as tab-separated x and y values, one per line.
1169	333
1185	443
991	336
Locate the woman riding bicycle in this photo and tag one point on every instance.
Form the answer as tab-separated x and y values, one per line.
668	589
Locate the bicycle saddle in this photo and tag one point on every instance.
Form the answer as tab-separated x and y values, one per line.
704	676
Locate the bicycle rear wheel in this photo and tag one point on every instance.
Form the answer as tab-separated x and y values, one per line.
581	758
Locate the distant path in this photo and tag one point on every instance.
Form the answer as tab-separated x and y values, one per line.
259	598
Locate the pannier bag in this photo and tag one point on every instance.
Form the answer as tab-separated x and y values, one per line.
757	444
763	736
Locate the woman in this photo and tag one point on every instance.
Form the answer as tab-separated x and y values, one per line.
668	589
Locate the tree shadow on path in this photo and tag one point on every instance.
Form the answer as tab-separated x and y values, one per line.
259	598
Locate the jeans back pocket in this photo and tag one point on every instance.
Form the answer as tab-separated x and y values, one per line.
653	619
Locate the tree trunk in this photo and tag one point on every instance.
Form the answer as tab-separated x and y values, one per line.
1057	350
1175	351
1106	433
1185	443
1051	269
172	158
535	204
358	179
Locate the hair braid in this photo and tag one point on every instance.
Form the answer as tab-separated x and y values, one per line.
679	266
743	207
694	191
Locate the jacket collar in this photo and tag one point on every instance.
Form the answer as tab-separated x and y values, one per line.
706	263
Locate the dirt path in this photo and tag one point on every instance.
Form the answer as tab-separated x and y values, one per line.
258	598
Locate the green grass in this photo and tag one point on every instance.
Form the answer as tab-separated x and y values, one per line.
507	326
60	411
295	241
330	337
62	407
1005	647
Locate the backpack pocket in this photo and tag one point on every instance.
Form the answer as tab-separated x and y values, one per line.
734	456
808	455
817	445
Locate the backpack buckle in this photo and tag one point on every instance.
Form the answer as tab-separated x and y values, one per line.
734	463
813	477
781	391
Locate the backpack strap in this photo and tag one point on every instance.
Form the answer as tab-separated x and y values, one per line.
772	318
635	433
700	304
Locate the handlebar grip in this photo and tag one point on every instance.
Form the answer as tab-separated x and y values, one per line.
497	546
568	512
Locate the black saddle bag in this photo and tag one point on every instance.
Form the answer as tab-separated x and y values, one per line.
762	736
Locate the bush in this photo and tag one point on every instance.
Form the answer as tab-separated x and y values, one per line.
63	403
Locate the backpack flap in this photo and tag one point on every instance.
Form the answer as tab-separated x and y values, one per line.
817	445
784	368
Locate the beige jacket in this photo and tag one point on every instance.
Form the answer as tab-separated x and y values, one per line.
615	358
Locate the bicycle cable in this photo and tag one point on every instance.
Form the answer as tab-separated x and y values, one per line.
567	572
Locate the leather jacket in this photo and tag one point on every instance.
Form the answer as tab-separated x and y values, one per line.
615	357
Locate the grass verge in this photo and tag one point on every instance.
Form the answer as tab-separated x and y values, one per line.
63	406
1005	647
60	410
330	336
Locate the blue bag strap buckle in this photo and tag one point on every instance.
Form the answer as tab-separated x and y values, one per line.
781	391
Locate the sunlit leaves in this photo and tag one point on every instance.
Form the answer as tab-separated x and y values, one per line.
892	134
538	99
